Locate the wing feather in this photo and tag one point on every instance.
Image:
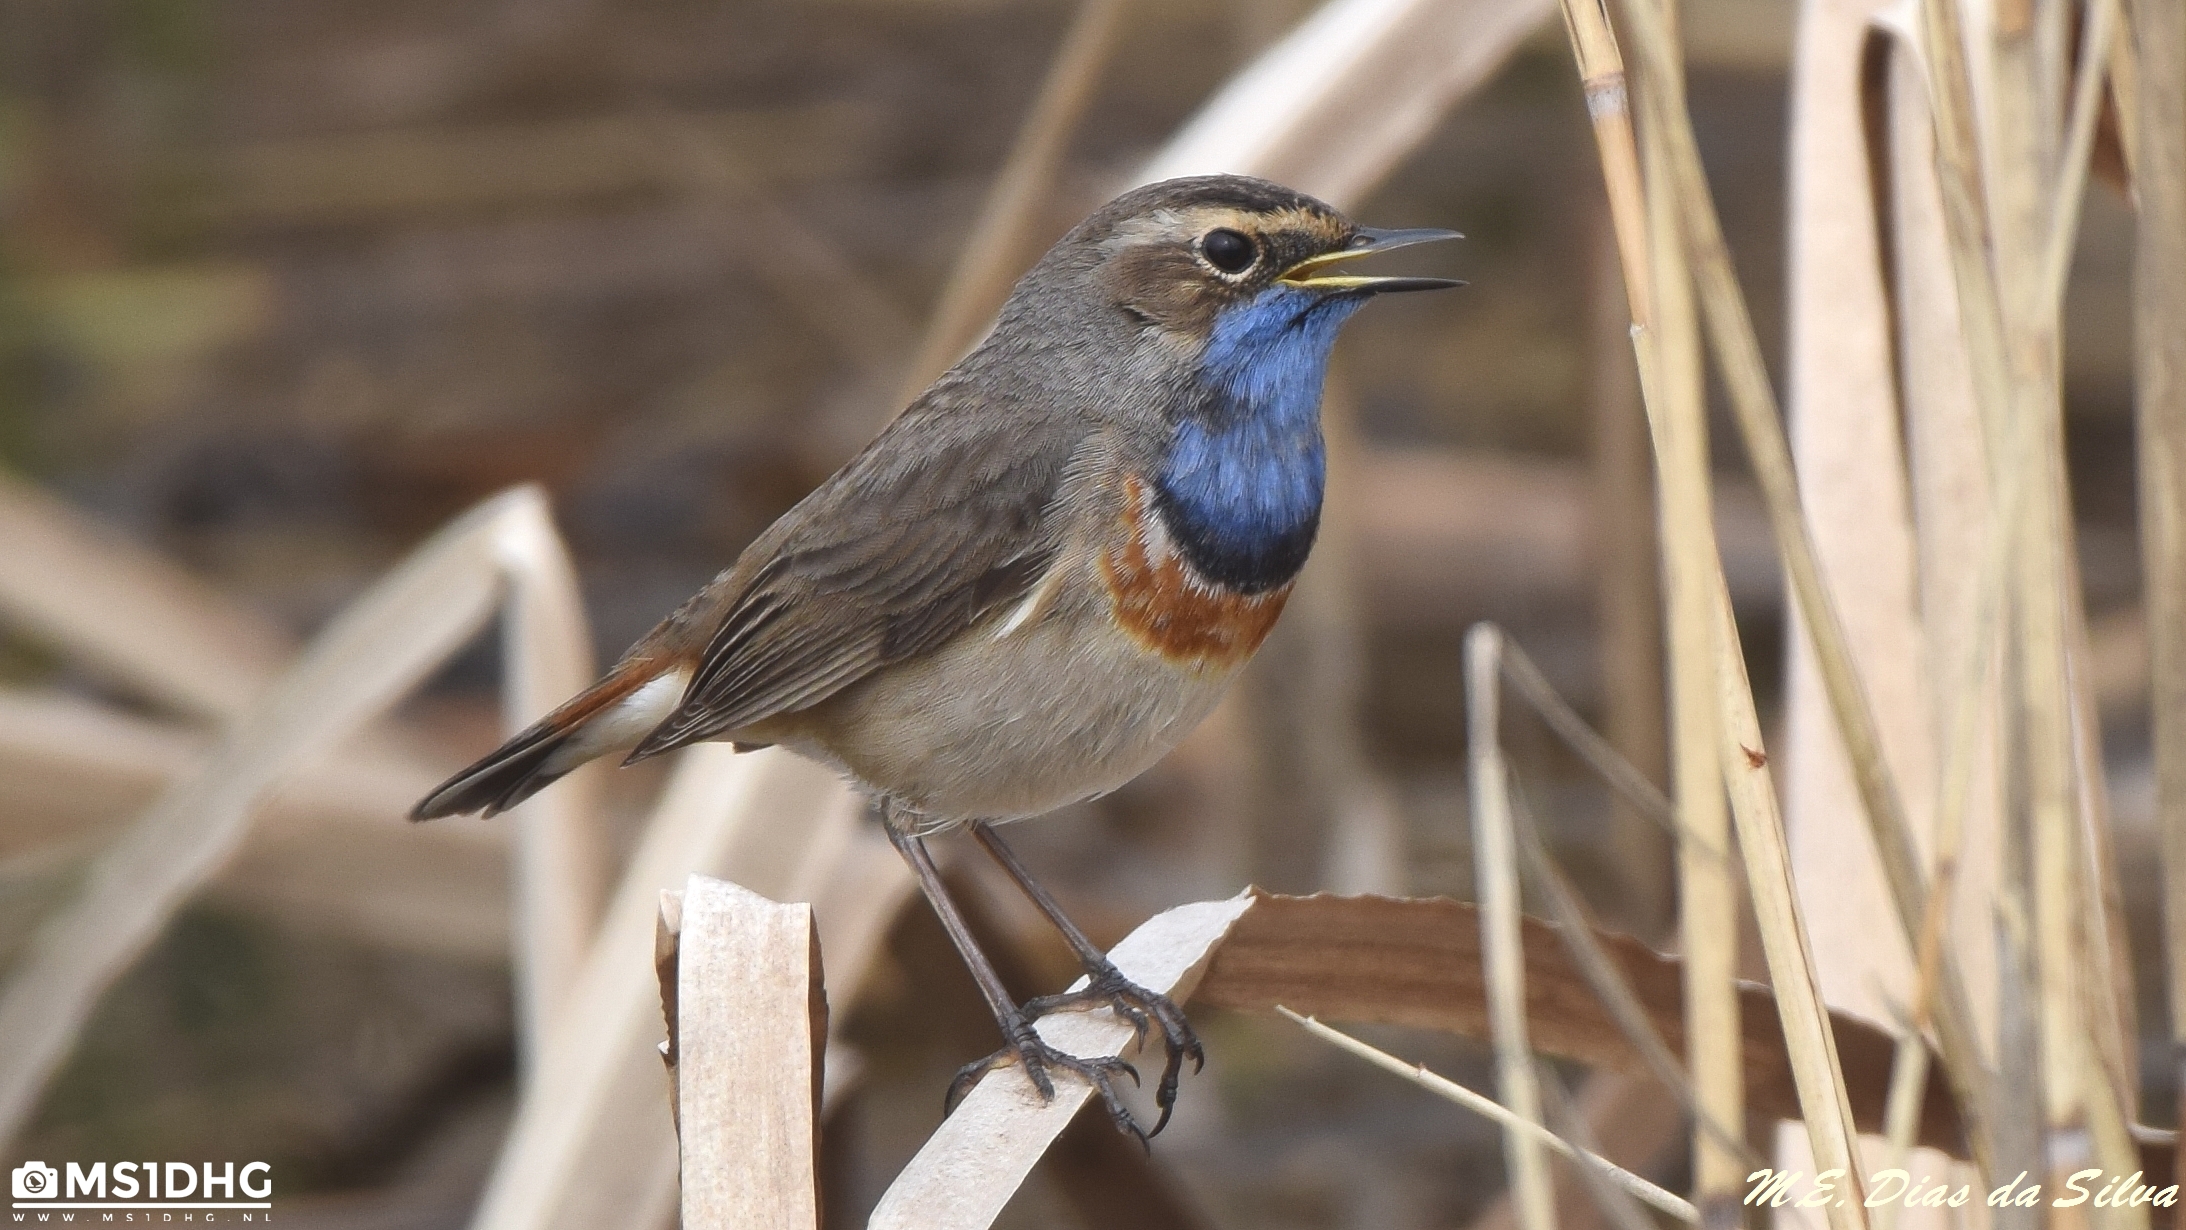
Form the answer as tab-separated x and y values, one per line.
944	518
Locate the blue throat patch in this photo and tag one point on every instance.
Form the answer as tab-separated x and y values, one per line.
1240	490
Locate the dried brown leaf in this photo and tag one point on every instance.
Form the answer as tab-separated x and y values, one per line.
1416	962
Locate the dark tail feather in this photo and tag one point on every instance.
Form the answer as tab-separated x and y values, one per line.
518	769
508	775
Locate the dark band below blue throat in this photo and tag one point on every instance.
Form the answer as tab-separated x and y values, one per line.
1254	564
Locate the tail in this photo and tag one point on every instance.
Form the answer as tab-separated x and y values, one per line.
611	715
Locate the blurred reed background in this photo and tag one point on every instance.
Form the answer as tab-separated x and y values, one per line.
284	288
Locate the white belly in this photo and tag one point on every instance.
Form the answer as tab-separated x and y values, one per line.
1012	725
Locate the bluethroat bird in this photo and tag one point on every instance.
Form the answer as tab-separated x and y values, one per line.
1039	577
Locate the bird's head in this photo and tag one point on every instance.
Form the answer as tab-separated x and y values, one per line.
1220	297
1187	255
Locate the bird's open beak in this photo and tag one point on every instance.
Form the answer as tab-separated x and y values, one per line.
1367	242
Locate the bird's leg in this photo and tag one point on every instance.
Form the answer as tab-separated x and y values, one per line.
1105	984
1021	1041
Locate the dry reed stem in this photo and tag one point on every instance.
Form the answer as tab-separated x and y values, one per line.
2076	898
1901	1117
2096	41
1609	108
322	851
993	253
1509	1120
1665	342
2105	938
1970	686
1339	102
1972	692
808	271
2125	96
2062	767
130	614
1495	864
1961	180
1783	932
968	1169
380	647
1578	933
1753	403
1805	1019
1708	901
2159	288
1966	680
858	888
2018	214
558	876
1600	1182
2104	943
2065	783
1525	678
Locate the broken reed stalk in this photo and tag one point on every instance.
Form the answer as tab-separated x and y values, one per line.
1495	866
1690	538
2158	152
1489	1108
994	253
747	1029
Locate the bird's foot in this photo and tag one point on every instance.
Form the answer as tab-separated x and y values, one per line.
1027	1048
1106	987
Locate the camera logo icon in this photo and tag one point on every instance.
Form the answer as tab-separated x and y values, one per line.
36	1181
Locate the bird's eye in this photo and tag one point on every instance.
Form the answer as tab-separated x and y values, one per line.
1228	250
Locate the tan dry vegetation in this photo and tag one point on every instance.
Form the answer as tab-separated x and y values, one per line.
288	288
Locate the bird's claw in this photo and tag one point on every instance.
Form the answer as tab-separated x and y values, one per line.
1038	1058
1108	988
